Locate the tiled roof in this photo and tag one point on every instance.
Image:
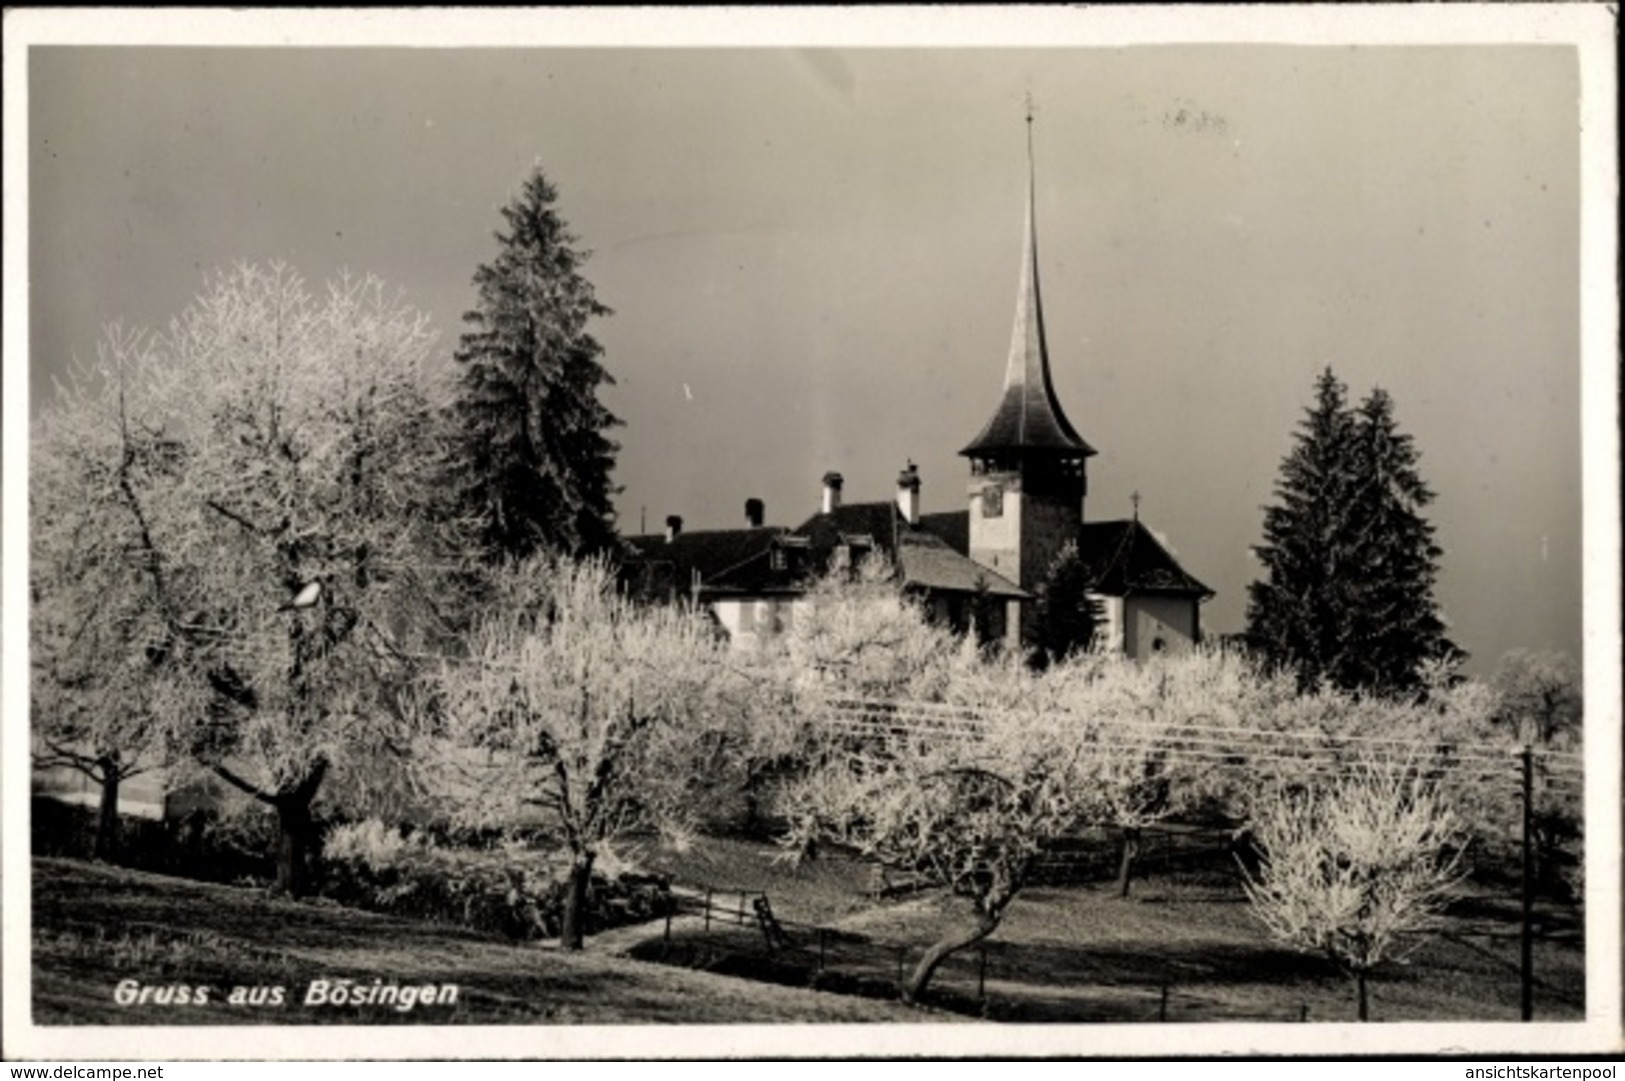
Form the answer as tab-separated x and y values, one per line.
726	559
1124	557
952	526
923	557
927	561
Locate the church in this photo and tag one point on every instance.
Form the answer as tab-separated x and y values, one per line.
981	566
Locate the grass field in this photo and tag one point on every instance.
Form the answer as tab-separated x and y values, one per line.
95	926
1083	954
1184	948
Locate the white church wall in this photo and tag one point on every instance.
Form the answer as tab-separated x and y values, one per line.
1109	631
1158	624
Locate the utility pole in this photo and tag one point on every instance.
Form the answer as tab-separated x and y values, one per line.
1527	944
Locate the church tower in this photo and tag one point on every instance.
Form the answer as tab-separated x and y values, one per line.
1027	481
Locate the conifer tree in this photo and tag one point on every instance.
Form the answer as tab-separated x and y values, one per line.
1396	623
1067	615
1350	564
535	460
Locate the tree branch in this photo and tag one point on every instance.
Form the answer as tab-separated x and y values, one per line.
238	783
64	756
238	518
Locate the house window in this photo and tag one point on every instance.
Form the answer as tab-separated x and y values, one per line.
993	501
777	560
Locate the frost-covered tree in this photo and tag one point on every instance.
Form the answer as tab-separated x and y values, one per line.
1349	562
967	813
579	711
1356	866
266	469
1540	704
1541	698
854	641
98	690
99	694
856	634
534	457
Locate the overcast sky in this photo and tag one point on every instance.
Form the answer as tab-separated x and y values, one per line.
813	257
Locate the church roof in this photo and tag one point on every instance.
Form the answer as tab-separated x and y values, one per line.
1029	417
1124	557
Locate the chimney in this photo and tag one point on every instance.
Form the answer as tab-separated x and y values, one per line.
908	493
832	492
674	526
754	512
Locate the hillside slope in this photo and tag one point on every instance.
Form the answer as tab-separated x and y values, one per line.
95	926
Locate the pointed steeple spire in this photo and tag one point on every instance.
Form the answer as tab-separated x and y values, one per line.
1029	416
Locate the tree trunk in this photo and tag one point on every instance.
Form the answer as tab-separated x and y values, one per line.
753	801
1359	978
1125	868
574	927
107	811
295	856
942	949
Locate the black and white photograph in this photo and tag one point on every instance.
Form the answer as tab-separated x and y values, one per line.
742	533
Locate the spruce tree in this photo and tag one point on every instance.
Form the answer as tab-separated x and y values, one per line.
1397	624
1350	564
535	458
1292	612
1067	616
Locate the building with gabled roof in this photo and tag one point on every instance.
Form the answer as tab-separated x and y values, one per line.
984	565
752	579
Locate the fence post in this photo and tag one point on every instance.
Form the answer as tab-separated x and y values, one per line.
741	908
1526	953
670	904
1303	1012
899	970
708	909
820	949
1162	1004
981	976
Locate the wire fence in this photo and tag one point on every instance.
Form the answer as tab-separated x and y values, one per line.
736	932
914	719
1199	747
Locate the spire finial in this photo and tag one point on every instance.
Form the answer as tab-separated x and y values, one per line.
1029	137
1135	498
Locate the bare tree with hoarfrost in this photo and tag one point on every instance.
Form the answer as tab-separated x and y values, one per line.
968	811
1121	714
857	635
580	711
1357	867
98	691
270	464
